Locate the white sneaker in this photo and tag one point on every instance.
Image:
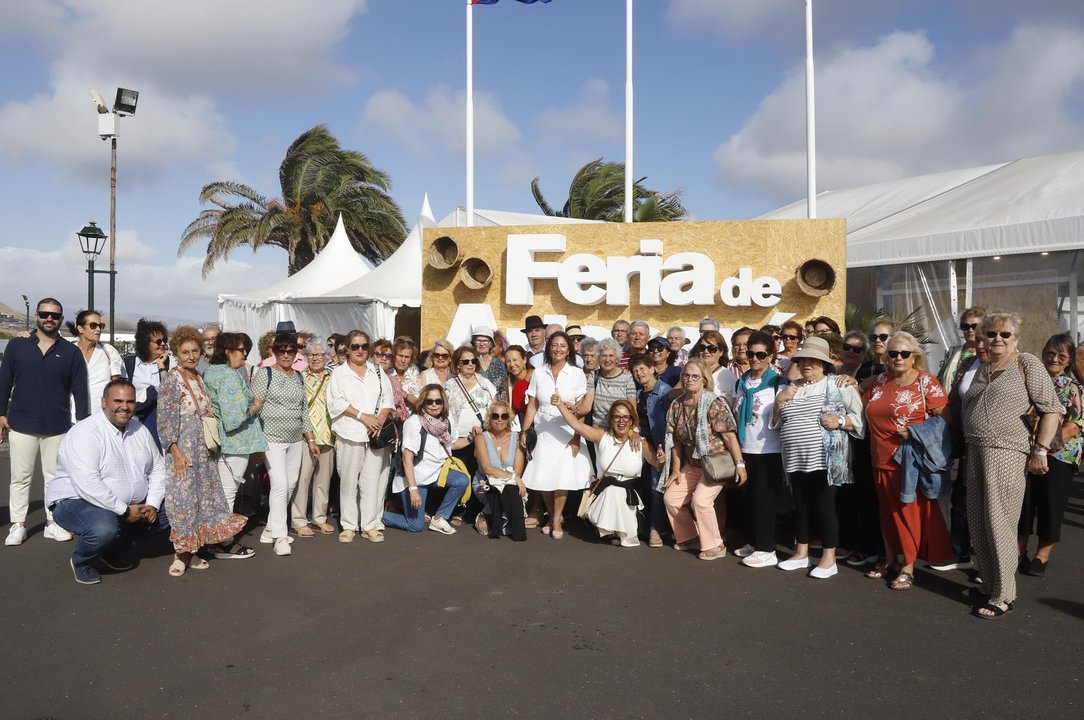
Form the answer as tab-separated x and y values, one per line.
760	559
55	532
282	546
793	564
266	539
440	525
16	535
823	573
744	551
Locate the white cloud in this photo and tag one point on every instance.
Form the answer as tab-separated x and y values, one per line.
731	17
889	111
587	122
439	121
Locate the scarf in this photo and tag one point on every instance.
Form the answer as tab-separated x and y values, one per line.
745	398
837	456
439	428
701	447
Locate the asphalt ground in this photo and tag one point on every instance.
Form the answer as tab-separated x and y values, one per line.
426	626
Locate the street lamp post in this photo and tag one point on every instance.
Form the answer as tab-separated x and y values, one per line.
91	240
26	301
124	104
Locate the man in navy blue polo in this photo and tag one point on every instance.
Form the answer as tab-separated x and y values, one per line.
39	377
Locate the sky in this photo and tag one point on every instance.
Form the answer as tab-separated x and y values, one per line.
904	87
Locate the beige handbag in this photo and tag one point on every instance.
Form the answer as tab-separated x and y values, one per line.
210	423
719	467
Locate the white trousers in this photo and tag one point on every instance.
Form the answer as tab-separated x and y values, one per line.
363	480
231	473
316	475
283	468
24	451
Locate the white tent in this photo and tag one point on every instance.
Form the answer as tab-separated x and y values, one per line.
1016	229
258	311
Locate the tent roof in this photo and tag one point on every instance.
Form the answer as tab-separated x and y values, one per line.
488	218
1026	206
337	263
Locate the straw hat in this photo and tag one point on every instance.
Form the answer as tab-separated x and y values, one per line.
815	348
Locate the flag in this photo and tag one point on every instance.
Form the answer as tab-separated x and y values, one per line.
494	2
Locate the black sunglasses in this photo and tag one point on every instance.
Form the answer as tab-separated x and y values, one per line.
439	355
498	416
709	348
759	355
434	401
159	341
899	354
856	349
95	326
354	347
46	315
968	326
789	337
285	349
874	337
1004	333
468	361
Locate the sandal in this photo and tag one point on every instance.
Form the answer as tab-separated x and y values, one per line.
992	611
903	581
530	522
877	573
237	551
198	563
713	554
456	521
480	524
177	567
304	531
326	528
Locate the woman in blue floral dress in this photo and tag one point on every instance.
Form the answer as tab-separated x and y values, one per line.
195	502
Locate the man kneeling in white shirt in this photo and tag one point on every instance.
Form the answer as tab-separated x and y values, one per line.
109	486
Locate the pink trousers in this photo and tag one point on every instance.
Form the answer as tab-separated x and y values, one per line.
691	489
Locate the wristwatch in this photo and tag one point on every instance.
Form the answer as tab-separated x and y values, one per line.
842	422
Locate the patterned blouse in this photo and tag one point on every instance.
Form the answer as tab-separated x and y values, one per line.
1069	393
284	414
410	380
232	399
316	400
497	374
994	409
681	420
461	412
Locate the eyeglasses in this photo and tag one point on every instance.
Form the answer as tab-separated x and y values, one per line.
621	418
658	349
46	315
1004	334
874	337
789	337
95	326
314	355
284	349
968	326
434	401
498	416
159	341
899	354
693	377
759	355
856	349
355	347
709	348
383	355
468	361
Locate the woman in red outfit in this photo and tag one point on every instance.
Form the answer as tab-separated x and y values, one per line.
905	394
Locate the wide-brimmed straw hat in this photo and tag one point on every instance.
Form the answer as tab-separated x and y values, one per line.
814	348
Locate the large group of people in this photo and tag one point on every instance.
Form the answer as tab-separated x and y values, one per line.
666	440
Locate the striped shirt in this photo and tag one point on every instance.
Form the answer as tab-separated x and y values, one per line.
800	429
607	390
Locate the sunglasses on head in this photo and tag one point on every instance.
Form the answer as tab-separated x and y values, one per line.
874	337
46	315
287	349
434	401
899	354
1004	334
468	361
498	416
968	326
95	326
354	347
789	337
856	349
759	355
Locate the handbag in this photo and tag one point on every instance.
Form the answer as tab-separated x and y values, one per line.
389	434
1032	417
588	496
210	423
719	467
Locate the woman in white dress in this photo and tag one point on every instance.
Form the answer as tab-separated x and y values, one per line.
621	455
103	361
558	465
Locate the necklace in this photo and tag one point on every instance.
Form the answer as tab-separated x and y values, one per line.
1003	364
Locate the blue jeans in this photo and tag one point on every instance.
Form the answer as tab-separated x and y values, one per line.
413	520
100	530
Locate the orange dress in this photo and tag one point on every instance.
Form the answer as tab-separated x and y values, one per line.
914	529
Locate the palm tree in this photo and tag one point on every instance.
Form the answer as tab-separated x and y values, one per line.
318	180
597	192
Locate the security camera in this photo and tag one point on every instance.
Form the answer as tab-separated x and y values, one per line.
95	96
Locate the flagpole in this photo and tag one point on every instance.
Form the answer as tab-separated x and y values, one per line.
470	114
628	111
810	117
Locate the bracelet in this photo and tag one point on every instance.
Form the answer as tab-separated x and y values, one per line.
1038	444
412	487
1038	453
739	464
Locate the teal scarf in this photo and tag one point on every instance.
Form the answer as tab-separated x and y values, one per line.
745	397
